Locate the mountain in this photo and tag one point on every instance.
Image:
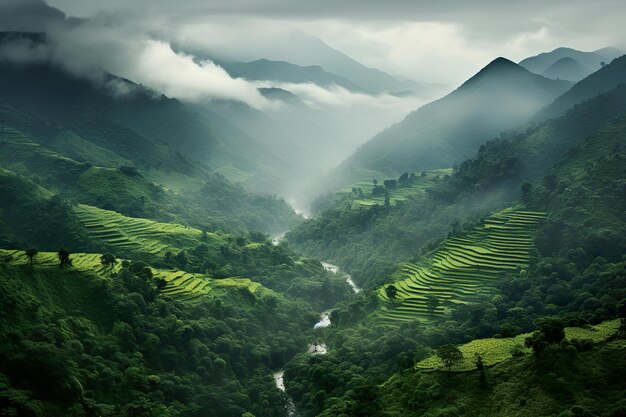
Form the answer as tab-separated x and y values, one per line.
440	134
608	77
300	49
589	60
284	72
567	68
139	153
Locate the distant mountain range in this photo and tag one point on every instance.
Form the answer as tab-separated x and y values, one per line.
285	72
440	134
307	58
569	64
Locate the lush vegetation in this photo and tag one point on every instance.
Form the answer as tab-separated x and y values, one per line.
570	168
464	267
93	340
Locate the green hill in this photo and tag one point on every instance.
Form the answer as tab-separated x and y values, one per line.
563	381
187	192
445	132
93	340
464	268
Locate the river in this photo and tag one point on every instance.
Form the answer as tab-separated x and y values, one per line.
318	347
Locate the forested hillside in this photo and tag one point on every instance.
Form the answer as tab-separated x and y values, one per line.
179	236
447	131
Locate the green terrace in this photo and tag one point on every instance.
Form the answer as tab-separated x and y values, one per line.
122	234
463	268
180	285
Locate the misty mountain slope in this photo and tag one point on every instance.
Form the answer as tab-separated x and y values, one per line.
138	118
368	242
608	77
112	167
591	60
285	72
305	50
440	134
567	68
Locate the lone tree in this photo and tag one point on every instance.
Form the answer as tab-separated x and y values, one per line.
31	253
550	333
64	258
432	302
108	260
391	291
449	355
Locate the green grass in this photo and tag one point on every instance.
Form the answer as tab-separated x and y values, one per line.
464	267
122	234
414	187
494	350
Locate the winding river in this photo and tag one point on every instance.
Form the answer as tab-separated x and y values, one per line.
317	348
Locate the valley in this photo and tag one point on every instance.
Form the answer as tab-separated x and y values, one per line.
307	210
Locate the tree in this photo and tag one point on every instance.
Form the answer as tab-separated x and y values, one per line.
449	355
403	177
181	259
550	331
108	260
390	184
551	328
432	302
31	253
391	291
375	182
64	258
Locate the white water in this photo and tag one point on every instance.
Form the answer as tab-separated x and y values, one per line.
317	348
301	211
279	378
335	270
324	320
276	239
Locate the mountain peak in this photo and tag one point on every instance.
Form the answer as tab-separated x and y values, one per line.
501	62
500	65
496	69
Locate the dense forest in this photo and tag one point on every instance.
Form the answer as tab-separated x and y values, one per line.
173	242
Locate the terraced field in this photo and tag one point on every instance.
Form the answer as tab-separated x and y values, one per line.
123	234
415	187
183	285
180	284
464	267
494	350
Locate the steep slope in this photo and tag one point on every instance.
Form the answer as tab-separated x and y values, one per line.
591	60
464	268
111	341
108	108
608	77
567	68
443	133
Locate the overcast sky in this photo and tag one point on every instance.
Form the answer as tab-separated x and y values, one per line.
442	41
168	44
